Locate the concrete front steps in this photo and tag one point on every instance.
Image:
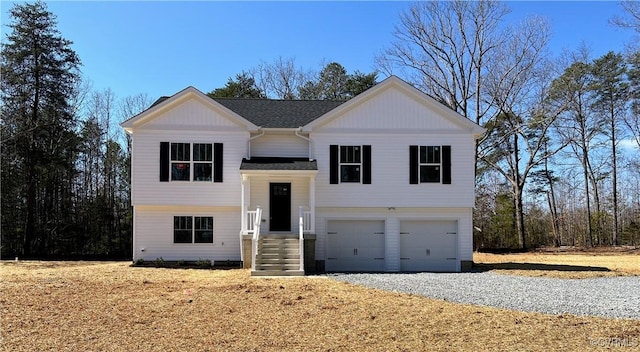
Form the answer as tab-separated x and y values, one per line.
278	255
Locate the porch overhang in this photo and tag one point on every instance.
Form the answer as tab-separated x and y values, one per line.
282	169
278	166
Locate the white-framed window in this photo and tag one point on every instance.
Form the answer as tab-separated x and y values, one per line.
191	161
180	161
202	161
430	164
203	229
192	229
350	163
182	229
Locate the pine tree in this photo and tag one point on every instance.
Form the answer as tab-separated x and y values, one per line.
610	88
39	73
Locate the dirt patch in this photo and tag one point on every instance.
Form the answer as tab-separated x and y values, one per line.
113	307
568	265
605	250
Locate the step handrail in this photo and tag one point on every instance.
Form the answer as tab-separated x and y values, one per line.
301	236
256	237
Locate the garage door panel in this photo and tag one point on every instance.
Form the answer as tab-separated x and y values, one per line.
355	245
428	245
371	245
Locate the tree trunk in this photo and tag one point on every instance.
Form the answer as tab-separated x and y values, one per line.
520	219
587	195
554	219
596	201
32	191
615	177
551	199
518	187
31	209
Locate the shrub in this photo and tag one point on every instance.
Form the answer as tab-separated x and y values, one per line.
203	263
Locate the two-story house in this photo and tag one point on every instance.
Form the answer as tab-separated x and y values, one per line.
382	182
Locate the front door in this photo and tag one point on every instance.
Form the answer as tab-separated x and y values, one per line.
280	207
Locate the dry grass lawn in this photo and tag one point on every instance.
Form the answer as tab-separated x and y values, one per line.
571	265
91	306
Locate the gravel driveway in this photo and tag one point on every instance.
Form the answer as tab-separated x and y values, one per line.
611	297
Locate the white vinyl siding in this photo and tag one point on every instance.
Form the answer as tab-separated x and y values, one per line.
259	195
280	145
392	246
148	190
191	121
154	231
393	110
391	122
193	115
390	172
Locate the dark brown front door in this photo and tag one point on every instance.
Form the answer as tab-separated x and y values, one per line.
280	207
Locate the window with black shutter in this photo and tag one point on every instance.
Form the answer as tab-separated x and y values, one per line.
350	164
430	164
191	162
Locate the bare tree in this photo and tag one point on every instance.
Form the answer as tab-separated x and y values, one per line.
132	105
444	48
632	8
129	107
280	79
517	141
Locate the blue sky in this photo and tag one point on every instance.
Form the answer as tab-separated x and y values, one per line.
159	48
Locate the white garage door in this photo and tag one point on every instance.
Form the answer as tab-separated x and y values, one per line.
428	245
355	245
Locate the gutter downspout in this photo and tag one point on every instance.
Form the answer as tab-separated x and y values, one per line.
306	139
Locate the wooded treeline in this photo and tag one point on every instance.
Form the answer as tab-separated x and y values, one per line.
559	164
65	162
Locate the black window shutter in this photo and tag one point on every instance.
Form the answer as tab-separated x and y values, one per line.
333	164
446	164
414	178
217	162
164	161
366	164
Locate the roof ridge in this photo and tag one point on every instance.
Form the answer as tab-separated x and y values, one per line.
283	113
284	100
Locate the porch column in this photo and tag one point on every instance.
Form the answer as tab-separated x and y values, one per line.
312	202
243	203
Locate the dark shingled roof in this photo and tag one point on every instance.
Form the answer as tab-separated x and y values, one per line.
259	163
160	100
270	113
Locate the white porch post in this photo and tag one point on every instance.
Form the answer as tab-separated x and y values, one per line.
312	202
243	216
243	205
